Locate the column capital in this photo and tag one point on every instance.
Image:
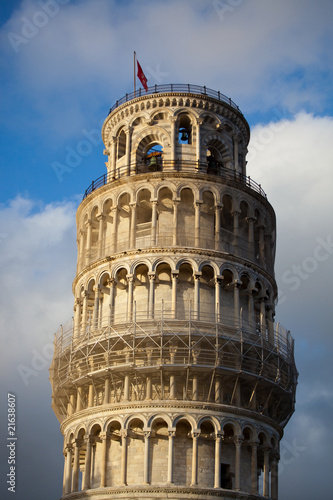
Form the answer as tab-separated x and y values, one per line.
123	433
147	434
101	216
238	440
197	275
195	433
152	275
172	433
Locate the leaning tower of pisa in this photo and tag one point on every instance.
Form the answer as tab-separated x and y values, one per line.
173	380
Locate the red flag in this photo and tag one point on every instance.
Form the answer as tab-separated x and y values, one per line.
142	77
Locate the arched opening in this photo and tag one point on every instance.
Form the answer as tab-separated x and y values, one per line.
124	222
135	449
207	294
206	454
113	469
207	220
121	144
143	219
185	225
182	453
158	459
228	458
96	456
153	158
185	130
227	298
141	291
165	217
163	286
120	295
227	224
185	296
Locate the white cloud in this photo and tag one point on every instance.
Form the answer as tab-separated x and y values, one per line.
37	263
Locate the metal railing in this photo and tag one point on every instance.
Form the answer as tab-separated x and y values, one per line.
189	88
192	167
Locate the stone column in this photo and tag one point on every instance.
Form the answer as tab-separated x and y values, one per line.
101	219
174	139
68	481
172	435
238	445
195	391
123	473
111	300
197	206
198	138
218	209
130	168
107	390
79	399
235	141
251	237
81	248
114	211
236	231
175	222
96	306
104	436
262	245
197	295
274	476
262	317
130	279
147	435
91	395
77	317
126	387
153	222
88	241
76	465
113	156
151	299
266	472
87	464
133	225
218	395
236	285
251	310
254	467
217	469
174	278
194	478
64	475
270	325
218	281
84	312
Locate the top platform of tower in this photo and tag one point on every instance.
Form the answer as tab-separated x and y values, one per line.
183	128
177	88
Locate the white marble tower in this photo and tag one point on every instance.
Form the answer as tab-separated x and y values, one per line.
173	381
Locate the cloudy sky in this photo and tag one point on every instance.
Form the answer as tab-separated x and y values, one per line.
63	64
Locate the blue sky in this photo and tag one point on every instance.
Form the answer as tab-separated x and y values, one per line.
62	69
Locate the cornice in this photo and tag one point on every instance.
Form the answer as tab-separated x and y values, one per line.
218	410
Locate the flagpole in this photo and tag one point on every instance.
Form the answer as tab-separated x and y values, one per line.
134	74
